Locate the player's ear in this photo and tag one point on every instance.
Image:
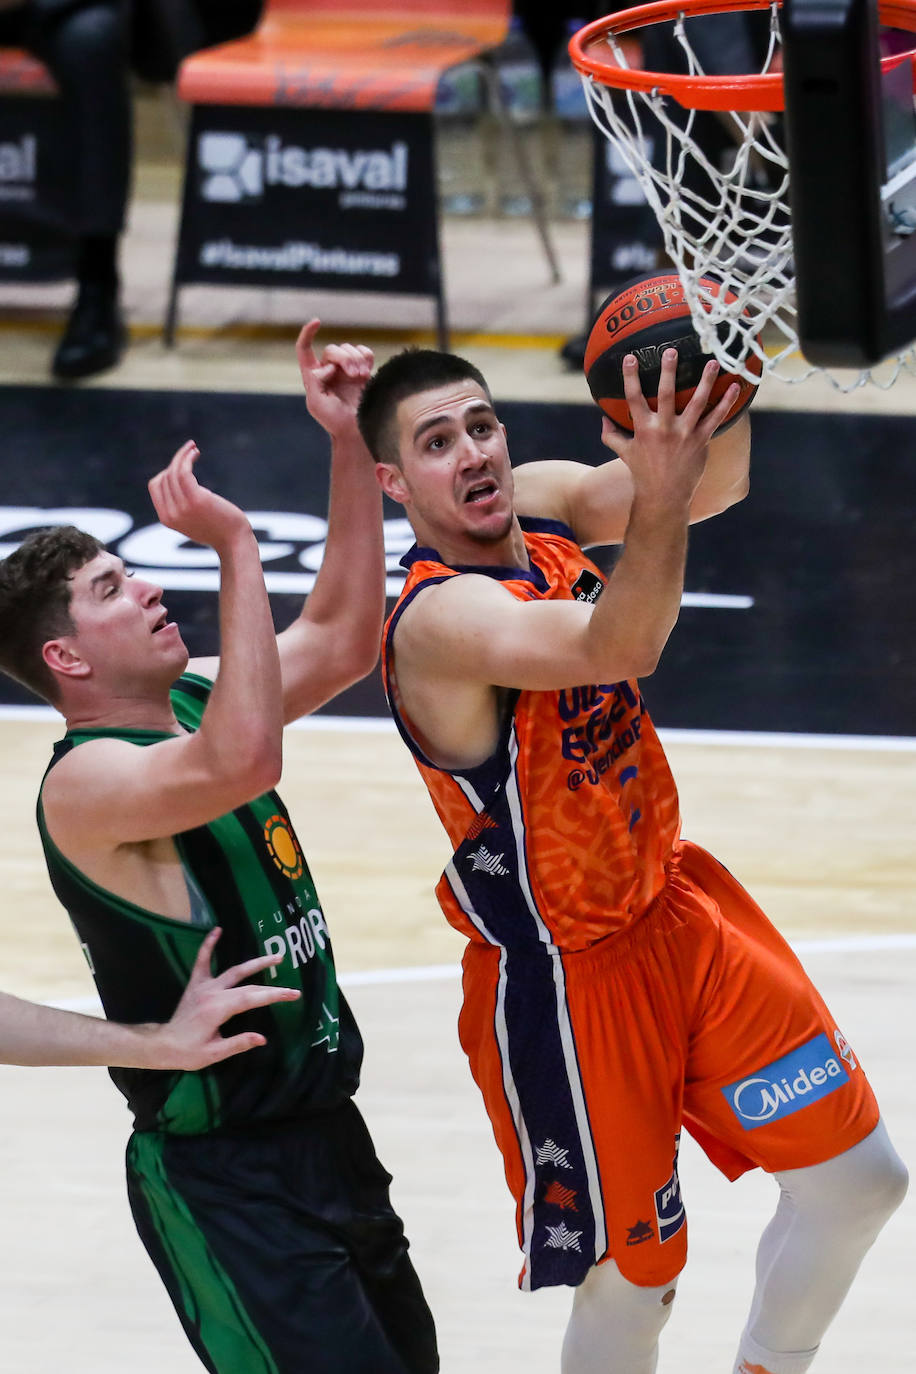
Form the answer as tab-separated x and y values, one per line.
391	480
64	659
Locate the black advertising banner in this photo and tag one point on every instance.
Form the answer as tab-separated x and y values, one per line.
37	190
793	617
310	198
626	237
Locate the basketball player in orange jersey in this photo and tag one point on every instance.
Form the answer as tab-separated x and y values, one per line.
618	983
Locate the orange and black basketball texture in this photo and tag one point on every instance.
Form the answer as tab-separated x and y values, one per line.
644	318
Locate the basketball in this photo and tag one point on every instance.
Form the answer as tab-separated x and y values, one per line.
644	318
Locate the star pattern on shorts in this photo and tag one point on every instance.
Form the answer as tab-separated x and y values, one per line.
551	1153
479	825
482	861
558	1196
641	1231
561	1238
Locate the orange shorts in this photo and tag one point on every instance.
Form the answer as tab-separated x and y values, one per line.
590	1063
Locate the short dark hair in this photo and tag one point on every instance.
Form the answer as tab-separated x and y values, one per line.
406	374
35	589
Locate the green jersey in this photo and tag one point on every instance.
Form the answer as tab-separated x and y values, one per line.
246	873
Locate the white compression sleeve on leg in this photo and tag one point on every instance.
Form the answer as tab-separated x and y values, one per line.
755	1359
827	1218
615	1325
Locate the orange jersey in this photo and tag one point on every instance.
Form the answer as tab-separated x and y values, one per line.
618	984
564	834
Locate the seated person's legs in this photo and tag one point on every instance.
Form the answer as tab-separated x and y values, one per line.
84	44
86	47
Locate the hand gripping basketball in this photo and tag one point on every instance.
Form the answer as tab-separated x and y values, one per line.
647	316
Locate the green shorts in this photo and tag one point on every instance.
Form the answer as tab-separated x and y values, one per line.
280	1249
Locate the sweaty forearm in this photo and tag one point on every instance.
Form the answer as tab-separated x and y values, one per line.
639	607
244	713
352	573
34	1035
726	478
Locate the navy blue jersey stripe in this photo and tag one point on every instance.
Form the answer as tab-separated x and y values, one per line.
534	524
560	1243
389	658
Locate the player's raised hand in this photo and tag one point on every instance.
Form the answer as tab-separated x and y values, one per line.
666	453
192	1040
195	511
334	382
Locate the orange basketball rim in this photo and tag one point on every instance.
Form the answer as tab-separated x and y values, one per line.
593	55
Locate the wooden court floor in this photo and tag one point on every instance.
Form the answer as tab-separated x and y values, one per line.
823	836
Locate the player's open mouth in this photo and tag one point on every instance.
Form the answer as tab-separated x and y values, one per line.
161	623
480	491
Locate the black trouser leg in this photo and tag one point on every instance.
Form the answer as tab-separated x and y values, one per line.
86	48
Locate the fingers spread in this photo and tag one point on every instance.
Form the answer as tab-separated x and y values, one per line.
699	400
234	1002
720	413
667	381
250	997
201	967
632	387
239	972
236	1044
612	436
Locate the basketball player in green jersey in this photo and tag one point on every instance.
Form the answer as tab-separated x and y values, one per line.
253	1184
33	1035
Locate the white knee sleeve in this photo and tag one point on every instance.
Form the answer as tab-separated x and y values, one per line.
615	1325
827	1218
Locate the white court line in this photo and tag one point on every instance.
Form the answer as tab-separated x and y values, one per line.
765	739
432	973
756	739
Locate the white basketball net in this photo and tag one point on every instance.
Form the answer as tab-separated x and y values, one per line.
739	231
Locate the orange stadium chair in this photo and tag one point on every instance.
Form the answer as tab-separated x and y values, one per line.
310	156
22	74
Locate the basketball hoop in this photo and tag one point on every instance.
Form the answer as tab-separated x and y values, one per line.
729	219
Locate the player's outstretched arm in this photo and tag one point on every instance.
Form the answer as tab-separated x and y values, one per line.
596	502
31	1034
110	793
335	639
243	719
470	630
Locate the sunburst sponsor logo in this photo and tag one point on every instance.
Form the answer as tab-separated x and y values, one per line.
283	847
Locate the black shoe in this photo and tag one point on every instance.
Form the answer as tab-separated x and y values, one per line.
95	336
573	352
